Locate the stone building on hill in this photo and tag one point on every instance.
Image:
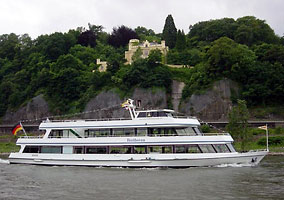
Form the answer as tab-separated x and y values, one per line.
145	47
102	65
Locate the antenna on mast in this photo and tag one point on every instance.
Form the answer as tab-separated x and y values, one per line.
128	105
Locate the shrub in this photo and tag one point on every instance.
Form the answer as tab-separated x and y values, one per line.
272	140
205	128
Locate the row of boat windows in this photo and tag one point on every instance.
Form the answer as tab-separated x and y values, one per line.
194	148
128	132
155	114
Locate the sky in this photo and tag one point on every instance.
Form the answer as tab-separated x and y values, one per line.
38	17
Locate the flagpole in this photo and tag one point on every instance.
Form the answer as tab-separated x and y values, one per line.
23	128
267	138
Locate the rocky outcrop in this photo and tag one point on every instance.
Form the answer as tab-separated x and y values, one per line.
104	105
108	104
214	104
35	110
176	95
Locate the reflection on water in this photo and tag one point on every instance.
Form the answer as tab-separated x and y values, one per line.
265	181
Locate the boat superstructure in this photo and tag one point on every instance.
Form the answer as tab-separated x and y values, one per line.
151	138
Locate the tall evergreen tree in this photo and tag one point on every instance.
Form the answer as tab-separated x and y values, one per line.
181	41
170	32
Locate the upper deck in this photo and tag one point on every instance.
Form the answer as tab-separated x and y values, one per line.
152	121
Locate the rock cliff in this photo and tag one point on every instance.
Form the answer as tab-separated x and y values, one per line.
213	105
108	104
37	108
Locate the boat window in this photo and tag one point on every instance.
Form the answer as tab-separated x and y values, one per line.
169	132
51	149
67	149
32	149
221	148
154	132
120	150
117	132
192	148
97	132
129	131
169	114
154	114
104	132
180	149
162	114
185	131
207	148
140	150
160	149
56	134
142	114
78	150
96	150
92	133
141	131
162	132
231	147
196	129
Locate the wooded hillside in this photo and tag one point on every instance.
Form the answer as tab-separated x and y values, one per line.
62	66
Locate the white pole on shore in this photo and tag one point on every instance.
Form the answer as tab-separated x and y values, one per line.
23	128
267	138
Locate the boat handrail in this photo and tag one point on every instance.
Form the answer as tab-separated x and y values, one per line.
257	150
87	120
116	119
100	136
184	117
214	134
31	137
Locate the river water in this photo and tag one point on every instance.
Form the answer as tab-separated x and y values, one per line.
265	181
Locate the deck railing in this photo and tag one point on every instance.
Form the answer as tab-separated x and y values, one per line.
119	119
153	135
31	137
214	134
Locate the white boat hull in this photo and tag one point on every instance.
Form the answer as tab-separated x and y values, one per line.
139	160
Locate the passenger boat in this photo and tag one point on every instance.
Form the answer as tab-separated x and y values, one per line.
150	138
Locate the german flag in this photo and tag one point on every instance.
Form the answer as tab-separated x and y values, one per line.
17	128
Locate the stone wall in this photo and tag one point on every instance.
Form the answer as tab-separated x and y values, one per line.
214	104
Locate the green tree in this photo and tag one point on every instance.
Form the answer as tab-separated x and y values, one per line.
213	29
8	45
226	58
87	55
181	41
67	61
137	54
120	36
252	31
270	53
55	45
170	32
238	123
155	57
